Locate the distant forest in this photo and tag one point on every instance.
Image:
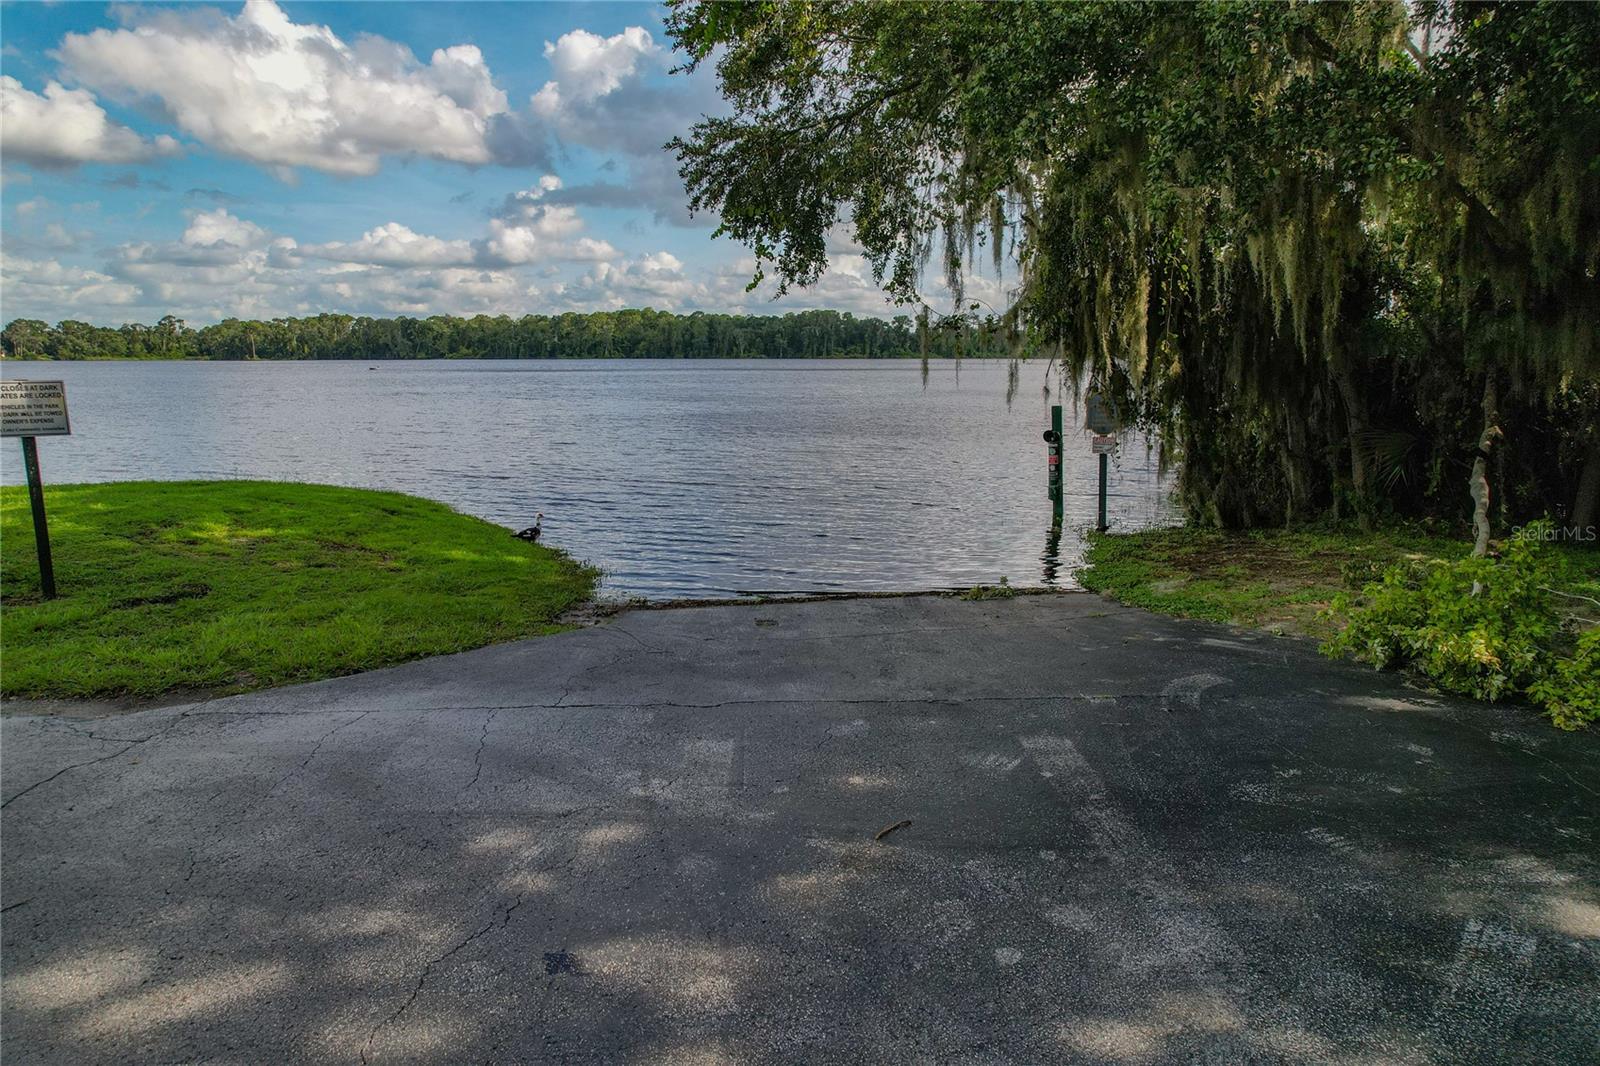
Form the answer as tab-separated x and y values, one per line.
633	334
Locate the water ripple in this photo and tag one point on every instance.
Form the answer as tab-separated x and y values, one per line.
682	479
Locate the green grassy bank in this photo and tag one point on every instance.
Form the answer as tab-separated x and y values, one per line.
1281	581
224	586
1391	597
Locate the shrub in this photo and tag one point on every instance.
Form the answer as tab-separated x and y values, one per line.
1507	639
1570	691
1002	591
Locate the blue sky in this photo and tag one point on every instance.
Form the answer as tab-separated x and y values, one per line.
264	159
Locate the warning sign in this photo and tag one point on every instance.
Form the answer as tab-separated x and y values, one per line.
33	409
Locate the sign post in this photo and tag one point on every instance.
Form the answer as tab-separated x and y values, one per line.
33	409
1102	422
1052	438
1101	524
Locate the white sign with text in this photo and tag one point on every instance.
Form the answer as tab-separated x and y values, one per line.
33	409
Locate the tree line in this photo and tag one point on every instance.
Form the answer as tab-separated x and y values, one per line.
629	334
1343	258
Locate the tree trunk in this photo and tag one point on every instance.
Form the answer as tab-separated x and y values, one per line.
1357	424
1478	483
1586	501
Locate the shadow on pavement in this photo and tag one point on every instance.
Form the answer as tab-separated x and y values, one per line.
1131	840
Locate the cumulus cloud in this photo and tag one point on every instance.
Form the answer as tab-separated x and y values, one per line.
219	230
521	231
527	228
395	245
222	265
847	285
35	283
264	88
588	66
458	291
510	245
66	127
533	257
218	256
257	85
657	280
600	96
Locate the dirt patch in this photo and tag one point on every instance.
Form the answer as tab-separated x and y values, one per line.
1282	568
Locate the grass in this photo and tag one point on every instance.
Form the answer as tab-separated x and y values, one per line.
1275	580
225	586
1002	591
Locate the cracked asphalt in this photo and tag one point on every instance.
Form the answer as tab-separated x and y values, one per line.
1131	839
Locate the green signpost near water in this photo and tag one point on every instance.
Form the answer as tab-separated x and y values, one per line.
1102	422
1052	437
32	409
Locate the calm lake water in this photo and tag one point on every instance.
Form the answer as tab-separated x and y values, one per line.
679	479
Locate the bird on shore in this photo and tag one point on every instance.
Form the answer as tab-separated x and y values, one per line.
531	534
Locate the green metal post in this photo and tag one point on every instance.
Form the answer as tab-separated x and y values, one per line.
41	529
1101	525
1056	490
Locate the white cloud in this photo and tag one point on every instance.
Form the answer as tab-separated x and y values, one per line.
847	285
458	291
216	251
226	266
534	255
31	284
527	229
264	88
657	280
600	96
588	66
524	231
511	244
65	127
395	245
219	229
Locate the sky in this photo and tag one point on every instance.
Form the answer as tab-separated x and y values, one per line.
266	159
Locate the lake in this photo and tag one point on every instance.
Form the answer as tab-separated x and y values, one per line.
693	479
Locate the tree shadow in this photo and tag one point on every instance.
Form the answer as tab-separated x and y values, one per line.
1089	880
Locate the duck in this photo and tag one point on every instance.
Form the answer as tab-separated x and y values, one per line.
531	534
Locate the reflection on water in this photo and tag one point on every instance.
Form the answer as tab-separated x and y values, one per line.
1050	561
692	478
